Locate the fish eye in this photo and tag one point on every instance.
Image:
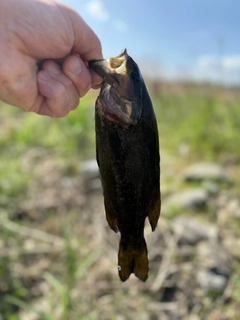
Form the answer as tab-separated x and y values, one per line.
135	76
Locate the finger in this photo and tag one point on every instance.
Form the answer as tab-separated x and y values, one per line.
56	72
96	79
59	92
69	91
56	102
75	69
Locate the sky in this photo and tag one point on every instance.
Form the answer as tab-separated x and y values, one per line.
173	39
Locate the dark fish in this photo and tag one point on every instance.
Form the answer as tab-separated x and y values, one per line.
128	159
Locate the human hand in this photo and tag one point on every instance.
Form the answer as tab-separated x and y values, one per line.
46	31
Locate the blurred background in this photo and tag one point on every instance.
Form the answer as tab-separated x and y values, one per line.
58	256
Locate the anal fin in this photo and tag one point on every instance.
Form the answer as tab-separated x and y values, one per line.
110	219
154	213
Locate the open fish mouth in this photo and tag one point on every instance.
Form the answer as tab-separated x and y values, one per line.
120	97
111	65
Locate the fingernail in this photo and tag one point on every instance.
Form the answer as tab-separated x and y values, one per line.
75	66
98	83
96	79
97	86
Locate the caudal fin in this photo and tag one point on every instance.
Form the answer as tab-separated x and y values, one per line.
133	261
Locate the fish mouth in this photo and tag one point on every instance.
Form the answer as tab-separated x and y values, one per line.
118	90
104	67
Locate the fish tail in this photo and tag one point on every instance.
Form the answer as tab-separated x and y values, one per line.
132	260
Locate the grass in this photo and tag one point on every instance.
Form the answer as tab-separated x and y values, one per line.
207	124
38	153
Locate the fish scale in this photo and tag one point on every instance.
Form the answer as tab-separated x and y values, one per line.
127	148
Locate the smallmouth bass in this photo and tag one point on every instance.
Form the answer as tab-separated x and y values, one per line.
127	148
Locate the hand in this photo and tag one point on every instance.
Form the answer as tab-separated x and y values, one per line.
46	31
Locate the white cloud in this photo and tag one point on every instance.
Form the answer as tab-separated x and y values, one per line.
224	69
232	62
207	61
120	25
97	10
227	62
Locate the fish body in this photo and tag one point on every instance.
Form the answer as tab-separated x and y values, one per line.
128	159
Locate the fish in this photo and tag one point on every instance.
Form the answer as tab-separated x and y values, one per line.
127	152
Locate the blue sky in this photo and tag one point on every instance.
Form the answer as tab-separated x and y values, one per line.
196	39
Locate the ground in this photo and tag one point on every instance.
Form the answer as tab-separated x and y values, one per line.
58	254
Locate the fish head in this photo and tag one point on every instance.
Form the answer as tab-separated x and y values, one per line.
121	92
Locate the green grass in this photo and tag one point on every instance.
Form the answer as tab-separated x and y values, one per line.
22	131
205	122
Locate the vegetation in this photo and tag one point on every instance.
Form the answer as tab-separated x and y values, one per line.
57	254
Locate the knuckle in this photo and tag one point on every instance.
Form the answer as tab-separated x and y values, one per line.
68	83
59	111
7	82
